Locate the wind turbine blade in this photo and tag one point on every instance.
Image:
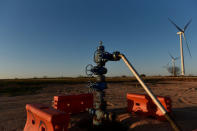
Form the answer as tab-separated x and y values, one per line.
168	63
187	44
176	58
170	55
187	24
175	25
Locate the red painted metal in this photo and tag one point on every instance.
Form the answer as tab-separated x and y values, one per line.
143	105
73	104
43	118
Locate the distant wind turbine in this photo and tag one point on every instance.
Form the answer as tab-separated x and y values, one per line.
173	59
182	33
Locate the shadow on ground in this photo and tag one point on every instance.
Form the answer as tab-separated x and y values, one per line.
186	117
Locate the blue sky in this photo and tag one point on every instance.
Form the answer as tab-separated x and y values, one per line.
58	38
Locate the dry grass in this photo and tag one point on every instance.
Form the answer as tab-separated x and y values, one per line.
182	91
14	87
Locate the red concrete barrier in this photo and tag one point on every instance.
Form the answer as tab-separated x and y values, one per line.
43	118
143	105
73	104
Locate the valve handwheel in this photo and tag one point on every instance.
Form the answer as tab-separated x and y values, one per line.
89	70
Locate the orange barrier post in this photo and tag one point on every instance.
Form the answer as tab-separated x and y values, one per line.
73	104
42	118
166	102
143	105
137	103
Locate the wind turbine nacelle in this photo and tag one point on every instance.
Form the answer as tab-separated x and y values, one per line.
179	33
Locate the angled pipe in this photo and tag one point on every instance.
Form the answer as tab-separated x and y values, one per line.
150	93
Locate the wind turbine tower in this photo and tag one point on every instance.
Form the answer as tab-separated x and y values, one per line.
173	59
181	34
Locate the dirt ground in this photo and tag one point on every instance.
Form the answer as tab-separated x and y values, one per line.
182	93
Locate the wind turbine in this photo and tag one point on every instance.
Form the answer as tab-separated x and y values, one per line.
173	59
182	33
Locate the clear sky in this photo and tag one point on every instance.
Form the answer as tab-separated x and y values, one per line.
58	37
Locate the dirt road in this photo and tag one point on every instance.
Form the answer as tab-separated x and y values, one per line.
183	95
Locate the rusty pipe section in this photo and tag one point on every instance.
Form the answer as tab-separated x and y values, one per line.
150	93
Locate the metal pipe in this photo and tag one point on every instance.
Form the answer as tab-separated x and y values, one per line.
149	92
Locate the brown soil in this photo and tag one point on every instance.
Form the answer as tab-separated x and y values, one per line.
182	93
